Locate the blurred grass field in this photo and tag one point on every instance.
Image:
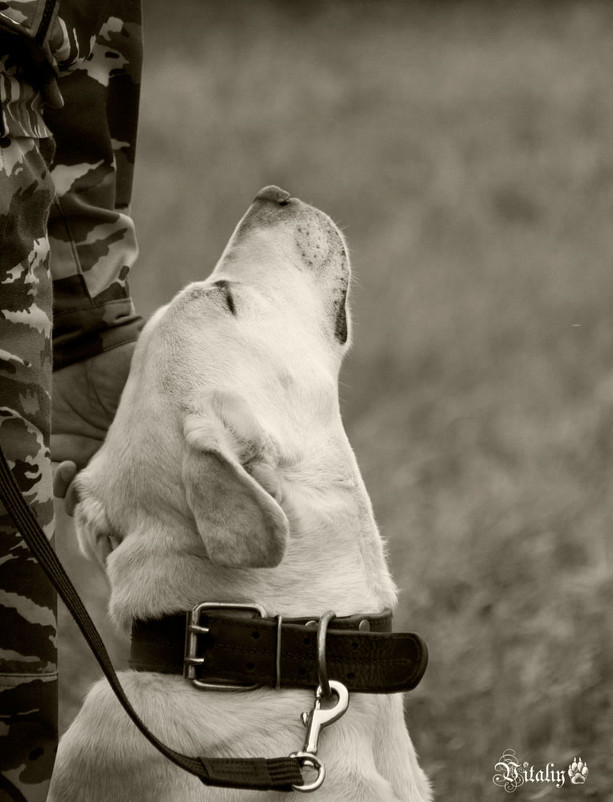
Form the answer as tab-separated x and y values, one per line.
467	151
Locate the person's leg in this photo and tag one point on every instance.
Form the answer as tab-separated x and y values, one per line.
93	247
28	671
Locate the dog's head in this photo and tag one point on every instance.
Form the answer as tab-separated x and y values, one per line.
231	383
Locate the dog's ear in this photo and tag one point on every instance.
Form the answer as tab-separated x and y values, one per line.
240	522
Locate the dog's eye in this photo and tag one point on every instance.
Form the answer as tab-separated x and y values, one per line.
226	292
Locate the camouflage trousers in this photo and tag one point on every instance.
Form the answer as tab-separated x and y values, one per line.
28	657
66	226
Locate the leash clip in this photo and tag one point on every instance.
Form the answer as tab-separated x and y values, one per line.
314	721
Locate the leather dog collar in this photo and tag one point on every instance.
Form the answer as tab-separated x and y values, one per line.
361	651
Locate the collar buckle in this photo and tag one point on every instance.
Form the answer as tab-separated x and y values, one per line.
194	628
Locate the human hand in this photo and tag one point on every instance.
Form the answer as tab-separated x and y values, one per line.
85	397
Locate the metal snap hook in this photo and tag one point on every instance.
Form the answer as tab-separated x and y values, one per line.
314	721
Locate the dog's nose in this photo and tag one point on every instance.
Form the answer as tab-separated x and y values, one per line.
273	194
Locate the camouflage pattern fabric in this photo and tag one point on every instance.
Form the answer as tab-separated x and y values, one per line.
96	49
35	24
25	16
93	244
28	672
69	226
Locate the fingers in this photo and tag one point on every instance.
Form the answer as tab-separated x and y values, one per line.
64	474
64	486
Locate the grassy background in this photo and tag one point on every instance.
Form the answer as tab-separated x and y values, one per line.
467	151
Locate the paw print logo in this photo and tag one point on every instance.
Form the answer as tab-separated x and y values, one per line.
577	772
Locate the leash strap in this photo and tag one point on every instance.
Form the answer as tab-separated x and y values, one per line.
260	774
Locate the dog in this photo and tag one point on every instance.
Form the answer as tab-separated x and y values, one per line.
227	475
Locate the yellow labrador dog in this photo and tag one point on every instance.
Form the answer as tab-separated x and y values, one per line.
227	475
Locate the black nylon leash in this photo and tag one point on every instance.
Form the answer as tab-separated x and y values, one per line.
258	774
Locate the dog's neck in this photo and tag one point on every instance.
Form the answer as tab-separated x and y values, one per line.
335	559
